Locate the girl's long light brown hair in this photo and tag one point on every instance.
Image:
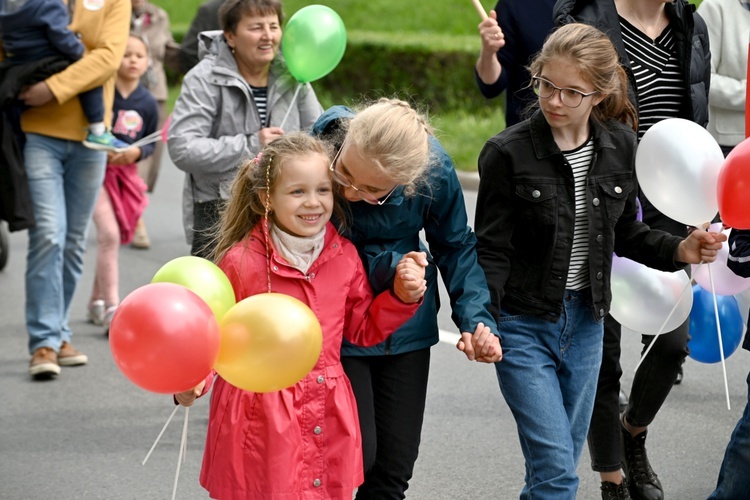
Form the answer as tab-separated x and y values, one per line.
593	56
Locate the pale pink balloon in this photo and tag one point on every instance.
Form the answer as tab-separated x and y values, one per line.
725	281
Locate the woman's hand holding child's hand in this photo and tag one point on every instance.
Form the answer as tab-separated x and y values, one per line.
410	285
483	345
125	157
188	397
700	246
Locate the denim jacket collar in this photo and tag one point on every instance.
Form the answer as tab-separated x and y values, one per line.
544	144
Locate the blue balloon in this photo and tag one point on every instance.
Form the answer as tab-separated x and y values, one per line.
704	342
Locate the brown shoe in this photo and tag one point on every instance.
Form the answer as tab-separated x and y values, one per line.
70	356
43	364
140	237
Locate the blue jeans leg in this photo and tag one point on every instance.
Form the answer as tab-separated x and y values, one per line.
548	377
734	475
64	180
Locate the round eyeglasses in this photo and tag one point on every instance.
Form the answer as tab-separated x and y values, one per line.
345	182
572	98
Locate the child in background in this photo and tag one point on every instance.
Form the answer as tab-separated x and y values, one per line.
556	198
302	441
123	197
35	29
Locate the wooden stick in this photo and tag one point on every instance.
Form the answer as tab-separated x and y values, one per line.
480	9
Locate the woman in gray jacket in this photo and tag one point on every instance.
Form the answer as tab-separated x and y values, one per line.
236	100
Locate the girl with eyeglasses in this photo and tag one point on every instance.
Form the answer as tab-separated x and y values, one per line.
398	181
556	198
663	47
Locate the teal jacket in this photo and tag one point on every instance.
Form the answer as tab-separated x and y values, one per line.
383	234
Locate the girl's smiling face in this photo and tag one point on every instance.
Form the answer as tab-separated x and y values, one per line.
302	198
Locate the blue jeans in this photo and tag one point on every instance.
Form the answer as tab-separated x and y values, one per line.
64	179
734	475
548	378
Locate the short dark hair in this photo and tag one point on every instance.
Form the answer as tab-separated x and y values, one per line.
231	11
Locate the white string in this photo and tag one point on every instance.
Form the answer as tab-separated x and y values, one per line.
180	456
159	436
291	104
669	316
718	332
148	139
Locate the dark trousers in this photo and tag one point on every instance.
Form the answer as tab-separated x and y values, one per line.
92	102
205	217
653	380
390	392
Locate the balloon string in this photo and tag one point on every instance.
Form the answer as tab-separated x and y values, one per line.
669	316
266	233
718	332
153	137
181	455
159	436
291	104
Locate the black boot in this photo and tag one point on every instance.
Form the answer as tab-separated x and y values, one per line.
612	491
644	484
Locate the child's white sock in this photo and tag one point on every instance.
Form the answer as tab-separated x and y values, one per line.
97	128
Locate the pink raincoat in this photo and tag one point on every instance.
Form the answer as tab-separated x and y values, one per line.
301	443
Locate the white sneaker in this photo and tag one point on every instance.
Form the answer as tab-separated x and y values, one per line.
96	312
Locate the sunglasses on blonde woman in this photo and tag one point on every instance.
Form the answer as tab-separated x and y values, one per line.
344	181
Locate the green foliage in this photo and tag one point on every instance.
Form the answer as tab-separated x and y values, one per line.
444	17
424	53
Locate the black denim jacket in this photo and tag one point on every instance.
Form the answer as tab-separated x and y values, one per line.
526	215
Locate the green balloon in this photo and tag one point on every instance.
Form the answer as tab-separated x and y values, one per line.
202	277
314	42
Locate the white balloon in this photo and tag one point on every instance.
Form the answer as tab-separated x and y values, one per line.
677	164
642	297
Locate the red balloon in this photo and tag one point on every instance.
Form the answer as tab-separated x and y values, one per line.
733	187
164	338
165	128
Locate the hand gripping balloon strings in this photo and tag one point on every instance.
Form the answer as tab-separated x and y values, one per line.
266	206
669	316
298	86
718	332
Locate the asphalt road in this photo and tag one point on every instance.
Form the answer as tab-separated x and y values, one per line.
85	434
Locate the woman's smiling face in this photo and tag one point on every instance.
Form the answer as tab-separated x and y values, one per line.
255	40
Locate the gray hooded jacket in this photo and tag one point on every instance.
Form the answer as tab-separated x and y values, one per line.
215	122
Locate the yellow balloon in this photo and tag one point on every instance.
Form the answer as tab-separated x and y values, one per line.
269	342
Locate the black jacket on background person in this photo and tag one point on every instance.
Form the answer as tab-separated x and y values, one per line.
526	216
739	262
691	35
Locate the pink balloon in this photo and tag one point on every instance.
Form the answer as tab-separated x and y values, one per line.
165	128
725	281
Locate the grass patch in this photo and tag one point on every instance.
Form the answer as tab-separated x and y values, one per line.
464	134
443	26
443	17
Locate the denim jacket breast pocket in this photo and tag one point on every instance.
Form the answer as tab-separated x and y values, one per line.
537	201
615	192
